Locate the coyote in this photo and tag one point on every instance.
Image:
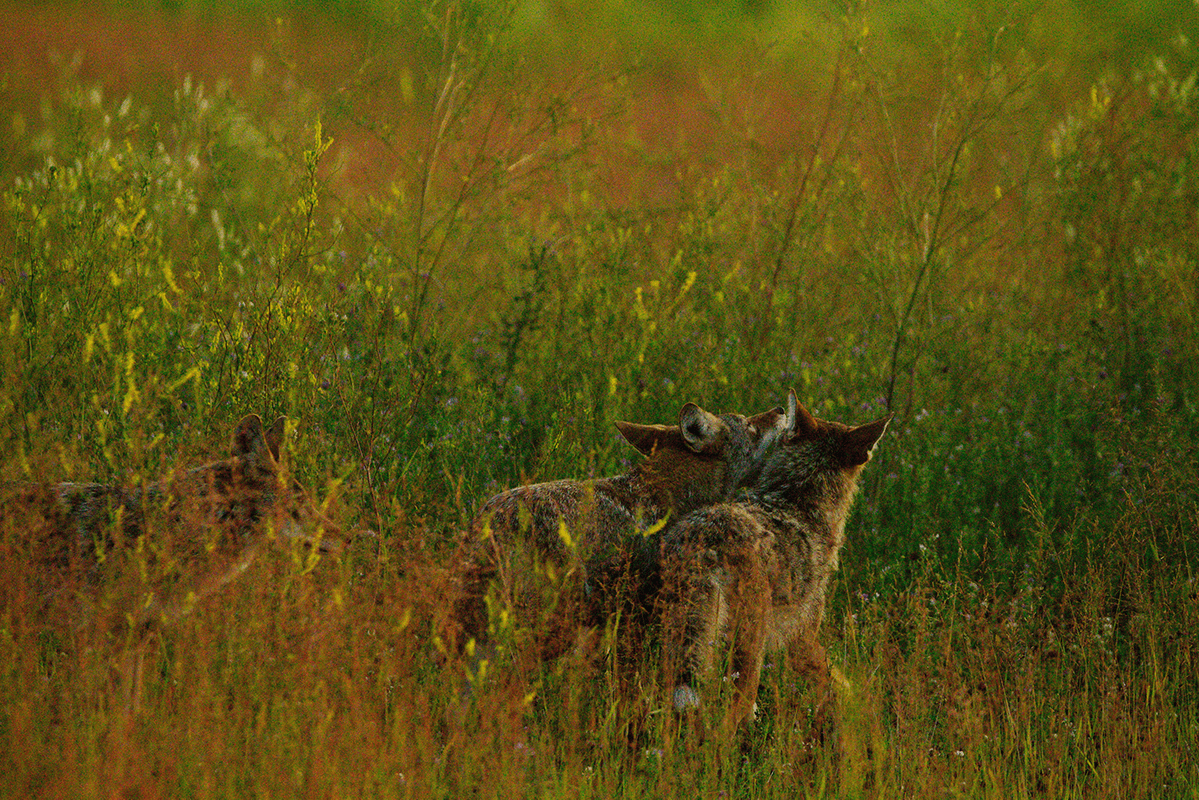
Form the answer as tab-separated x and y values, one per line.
600	533
199	530
755	572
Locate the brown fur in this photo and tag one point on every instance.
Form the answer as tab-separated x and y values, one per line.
191	533
562	555
755	572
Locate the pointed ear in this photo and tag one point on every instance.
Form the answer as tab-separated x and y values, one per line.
702	430
799	419
773	420
647	438
274	437
249	437
859	442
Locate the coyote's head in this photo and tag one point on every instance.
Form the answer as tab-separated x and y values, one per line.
246	492
205	525
813	458
217	506
705	458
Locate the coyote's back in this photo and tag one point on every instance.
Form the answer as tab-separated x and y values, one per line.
203	526
560	554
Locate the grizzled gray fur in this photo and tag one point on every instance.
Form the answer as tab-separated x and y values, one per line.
529	544
214	517
755	572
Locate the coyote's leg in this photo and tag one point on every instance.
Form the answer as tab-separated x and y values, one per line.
693	621
751	606
808	658
749	651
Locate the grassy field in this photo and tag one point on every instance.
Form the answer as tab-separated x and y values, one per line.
454	242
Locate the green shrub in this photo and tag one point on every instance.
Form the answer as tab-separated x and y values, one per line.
531	259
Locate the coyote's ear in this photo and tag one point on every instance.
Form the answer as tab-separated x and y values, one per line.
274	437
799	419
859	442
702	430
249	438
647	438
773	420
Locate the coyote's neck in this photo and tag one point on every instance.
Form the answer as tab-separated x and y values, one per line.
649	495
643	498
820	503
664	487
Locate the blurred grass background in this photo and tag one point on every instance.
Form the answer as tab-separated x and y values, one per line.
454	241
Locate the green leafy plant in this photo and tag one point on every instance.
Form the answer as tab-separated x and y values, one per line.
455	251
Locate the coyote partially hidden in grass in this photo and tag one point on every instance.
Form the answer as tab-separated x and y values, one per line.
527	543
755	572
186	536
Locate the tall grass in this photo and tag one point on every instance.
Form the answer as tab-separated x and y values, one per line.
456	262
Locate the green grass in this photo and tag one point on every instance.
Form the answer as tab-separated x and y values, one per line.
454	263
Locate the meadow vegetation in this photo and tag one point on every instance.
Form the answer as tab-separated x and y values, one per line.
458	245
